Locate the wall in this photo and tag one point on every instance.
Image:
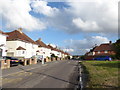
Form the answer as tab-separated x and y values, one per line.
29	52
3	41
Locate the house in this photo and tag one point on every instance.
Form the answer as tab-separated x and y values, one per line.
104	49
20	45
43	49
53	50
2	44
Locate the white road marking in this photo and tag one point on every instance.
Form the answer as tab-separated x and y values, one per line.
23	71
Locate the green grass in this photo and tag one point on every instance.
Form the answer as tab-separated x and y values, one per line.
102	74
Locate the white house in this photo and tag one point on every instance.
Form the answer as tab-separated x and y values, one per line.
43	49
20	45
2	44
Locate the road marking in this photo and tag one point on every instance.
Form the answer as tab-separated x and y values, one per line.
68	62
43	77
44	65
24	71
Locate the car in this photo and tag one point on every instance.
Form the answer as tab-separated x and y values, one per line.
103	58
38	57
13	60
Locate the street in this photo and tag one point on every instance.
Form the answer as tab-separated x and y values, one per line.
57	74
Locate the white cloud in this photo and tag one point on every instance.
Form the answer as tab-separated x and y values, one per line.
82	46
15	14
68	50
42	8
87	25
94	17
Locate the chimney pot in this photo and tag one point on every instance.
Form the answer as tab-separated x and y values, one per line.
110	42
40	39
20	30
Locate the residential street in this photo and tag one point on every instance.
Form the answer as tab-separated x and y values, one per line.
56	74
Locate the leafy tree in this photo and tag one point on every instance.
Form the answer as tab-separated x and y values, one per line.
117	48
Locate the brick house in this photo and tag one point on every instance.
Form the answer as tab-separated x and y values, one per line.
105	49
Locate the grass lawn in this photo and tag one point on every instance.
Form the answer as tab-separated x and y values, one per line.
102	74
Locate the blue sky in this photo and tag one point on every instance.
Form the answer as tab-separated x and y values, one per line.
75	27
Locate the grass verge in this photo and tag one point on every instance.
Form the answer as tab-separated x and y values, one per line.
102	74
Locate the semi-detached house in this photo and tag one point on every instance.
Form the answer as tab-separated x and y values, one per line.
43	49
20	45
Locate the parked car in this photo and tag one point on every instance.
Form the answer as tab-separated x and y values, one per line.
13	60
38	57
103	58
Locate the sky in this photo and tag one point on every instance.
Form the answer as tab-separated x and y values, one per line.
74	27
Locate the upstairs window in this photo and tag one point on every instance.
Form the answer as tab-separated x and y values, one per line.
106	51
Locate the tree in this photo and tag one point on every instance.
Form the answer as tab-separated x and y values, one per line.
117	48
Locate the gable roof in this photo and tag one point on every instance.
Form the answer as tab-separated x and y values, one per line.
17	35
20	48
103	47
41	44
1	32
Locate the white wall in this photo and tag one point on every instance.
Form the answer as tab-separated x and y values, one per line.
29	52
45	52
3	41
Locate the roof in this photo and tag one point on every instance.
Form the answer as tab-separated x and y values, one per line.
50	47
1	32
17	35
20	48
104	47
41	44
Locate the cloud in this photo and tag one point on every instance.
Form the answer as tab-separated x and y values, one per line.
16	13
89	17
82	46
100	16
86	26
42	8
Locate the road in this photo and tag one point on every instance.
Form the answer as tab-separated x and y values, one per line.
57	74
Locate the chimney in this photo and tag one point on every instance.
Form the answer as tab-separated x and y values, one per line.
40	39
110	42
20	30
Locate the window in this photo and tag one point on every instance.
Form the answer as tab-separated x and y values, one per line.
23	52
19	52
106	51
98	52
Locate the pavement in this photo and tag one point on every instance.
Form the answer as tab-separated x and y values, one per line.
56	74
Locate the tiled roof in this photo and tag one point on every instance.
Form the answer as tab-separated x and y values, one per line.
41	44
2	32
20	48
50	47
17	35
103	47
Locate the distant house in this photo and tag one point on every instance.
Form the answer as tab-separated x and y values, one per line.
43	49
53	50
20	45
2	44
105	49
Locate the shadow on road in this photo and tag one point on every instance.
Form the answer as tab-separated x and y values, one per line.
72	81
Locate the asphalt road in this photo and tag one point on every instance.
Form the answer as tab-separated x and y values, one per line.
58	74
